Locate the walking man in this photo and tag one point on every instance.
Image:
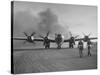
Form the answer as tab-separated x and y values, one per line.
80	46
89	47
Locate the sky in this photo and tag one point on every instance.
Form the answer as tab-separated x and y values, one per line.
56	18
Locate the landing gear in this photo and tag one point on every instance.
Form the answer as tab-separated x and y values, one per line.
47	46
59	46
71	46
46	43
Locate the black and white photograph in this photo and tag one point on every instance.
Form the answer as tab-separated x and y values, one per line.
53	37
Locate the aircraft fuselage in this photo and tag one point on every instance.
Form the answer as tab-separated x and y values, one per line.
59	40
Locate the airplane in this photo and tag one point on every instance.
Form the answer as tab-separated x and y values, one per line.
59	39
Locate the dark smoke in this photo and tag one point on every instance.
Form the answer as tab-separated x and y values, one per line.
46	21
49	22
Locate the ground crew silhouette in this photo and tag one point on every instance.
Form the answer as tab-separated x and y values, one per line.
89	47
80	46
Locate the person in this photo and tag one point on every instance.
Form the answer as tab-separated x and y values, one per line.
89	47
80	46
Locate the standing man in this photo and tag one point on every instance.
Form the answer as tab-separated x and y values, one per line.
80	46
89	47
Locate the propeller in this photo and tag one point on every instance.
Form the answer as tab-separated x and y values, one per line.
41	36
76	36
29	38
47	34
89	34
33	34
70	34
83	34
86	35
73	36
25	34
28	35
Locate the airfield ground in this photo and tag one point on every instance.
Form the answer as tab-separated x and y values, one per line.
51	60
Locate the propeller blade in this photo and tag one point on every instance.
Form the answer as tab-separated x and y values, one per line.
25	34
70	34
47	34
89	34
76	36
83	34
33	34
41	36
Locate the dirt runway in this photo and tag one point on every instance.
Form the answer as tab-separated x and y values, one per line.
51	60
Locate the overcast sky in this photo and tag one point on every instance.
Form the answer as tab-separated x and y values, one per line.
74	18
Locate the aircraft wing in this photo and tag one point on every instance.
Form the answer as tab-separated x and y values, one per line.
75	40
93	38
41	40
19	38
23	38
79	39
51	40
66	40
83	38
38	39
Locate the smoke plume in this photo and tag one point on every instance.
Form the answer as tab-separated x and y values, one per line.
49	22
46	20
